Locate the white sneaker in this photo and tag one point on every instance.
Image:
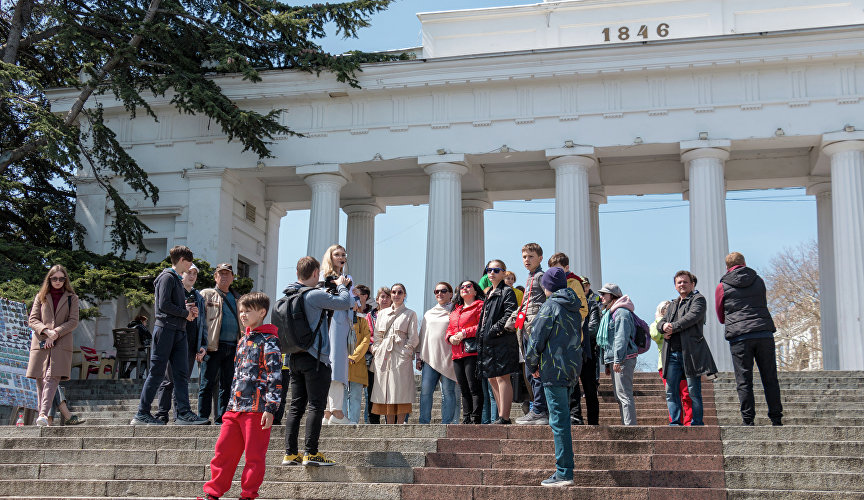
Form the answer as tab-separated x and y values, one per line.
326	421
42	421
339	421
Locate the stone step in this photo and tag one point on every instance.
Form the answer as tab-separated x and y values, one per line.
792	433
795	420
794	449
787	463
676	462
582	447
798	480
191	489
760	494
533	492
202	457
581	478
201	473
328	431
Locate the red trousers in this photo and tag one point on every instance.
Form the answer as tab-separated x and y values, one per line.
241	431
686	403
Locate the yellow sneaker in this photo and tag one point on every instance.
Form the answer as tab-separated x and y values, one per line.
317	459
294	459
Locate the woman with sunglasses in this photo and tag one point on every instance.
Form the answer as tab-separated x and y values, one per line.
53	318
394	345
498	349
462	334
434	360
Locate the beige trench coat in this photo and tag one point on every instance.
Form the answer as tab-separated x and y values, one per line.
62	321
394	345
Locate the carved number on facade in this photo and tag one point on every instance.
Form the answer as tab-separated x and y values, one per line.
624	32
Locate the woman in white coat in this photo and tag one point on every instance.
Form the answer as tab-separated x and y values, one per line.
395	342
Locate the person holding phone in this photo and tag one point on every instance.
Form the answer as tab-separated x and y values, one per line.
53	317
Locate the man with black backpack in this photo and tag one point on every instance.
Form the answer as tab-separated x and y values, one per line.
685	351
303	321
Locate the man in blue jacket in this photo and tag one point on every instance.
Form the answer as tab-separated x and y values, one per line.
169	342
554	357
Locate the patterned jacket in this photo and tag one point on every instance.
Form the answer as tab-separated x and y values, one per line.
555	341
257	383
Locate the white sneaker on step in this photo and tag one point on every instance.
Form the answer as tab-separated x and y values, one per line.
339	421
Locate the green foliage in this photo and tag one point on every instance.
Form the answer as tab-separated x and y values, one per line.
134	50
96	278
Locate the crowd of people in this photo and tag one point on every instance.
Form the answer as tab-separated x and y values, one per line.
489	343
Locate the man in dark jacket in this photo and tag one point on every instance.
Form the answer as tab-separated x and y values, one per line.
169	342
741	304
589	374
553	356
685	352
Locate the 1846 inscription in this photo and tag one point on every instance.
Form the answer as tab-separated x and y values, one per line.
625	33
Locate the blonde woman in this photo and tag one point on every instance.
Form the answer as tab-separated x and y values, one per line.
53	317
394	345
333	265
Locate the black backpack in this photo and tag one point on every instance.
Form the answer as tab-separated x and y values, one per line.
289	316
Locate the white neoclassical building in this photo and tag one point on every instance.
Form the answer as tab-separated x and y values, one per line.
576	100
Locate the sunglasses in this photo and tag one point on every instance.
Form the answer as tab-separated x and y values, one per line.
493	270
466	287
58	280
441	291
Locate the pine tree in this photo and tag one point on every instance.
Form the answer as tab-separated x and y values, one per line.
134	50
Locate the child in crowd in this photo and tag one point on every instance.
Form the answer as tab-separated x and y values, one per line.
255	393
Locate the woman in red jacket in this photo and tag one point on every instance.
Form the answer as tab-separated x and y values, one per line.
462	335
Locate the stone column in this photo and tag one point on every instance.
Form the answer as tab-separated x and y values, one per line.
271	248
596	270
709	241
360	242
326	182
572	210
827	289
473	239
210	226
444	240
90	205
847	191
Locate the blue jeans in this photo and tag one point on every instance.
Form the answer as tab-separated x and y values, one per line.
490	409
353	400
449	396
538	403
674	371
558	399
168	345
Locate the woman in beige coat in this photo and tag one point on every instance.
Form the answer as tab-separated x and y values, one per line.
394	344
53	317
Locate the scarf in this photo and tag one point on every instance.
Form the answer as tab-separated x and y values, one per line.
603	331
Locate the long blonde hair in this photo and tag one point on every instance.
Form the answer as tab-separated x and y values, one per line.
46	283
327	268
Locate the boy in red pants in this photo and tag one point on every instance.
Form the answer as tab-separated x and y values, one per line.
255	393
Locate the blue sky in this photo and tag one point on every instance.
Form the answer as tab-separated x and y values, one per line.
760	223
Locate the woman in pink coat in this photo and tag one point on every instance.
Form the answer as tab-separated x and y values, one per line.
53	318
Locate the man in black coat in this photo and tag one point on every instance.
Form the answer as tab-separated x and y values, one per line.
685	352
742	305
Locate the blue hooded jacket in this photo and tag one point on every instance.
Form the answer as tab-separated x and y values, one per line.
555	341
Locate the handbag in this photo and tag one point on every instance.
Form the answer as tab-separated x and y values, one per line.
469	345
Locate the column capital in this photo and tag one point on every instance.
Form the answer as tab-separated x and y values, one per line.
585	162
211	173
819	185
446	158
692	150
456	168
362	207
840	146
320	180
275	208
551	154
475	203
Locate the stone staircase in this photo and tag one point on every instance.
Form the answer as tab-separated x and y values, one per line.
818	454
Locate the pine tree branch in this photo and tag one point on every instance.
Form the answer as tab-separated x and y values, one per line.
20	18
9	157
